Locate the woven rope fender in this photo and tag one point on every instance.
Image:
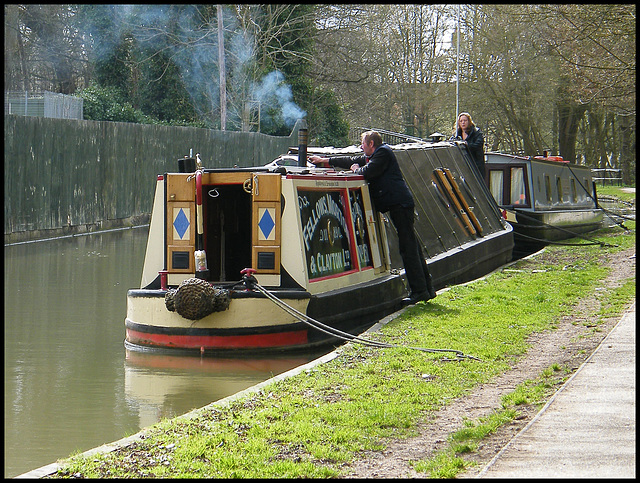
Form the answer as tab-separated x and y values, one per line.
170	300
195	298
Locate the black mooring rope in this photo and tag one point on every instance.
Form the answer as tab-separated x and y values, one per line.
250	281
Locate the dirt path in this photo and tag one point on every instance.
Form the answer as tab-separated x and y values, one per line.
569	345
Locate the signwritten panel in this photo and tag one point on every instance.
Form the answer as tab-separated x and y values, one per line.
326	231
361	229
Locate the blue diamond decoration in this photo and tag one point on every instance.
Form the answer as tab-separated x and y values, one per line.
266	224
181	223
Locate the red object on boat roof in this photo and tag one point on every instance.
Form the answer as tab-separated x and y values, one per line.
558	159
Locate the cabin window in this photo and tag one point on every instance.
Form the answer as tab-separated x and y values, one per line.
561	196
587	191
574	193
547	189
518	192
496	185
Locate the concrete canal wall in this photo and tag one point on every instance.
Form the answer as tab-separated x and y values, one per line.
64	176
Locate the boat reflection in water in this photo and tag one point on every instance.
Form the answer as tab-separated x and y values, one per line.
160	385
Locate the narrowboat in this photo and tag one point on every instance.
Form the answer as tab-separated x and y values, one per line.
545	198
287	256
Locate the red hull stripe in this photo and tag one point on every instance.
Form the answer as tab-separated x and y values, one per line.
280	339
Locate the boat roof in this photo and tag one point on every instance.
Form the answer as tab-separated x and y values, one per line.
504	158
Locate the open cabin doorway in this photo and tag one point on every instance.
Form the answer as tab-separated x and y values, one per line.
227	230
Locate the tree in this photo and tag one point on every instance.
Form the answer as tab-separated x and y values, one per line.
107	104
109	44
328	126
15	68
282	38
350	61
171	73
595	45
535	77
415	60
42	50
542	68
507	79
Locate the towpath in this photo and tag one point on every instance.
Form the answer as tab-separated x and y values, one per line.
588	428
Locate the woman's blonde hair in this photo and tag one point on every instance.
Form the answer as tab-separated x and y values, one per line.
471	124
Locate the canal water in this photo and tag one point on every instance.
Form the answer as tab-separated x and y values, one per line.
69	383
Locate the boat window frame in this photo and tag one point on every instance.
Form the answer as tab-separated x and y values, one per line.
547	189
507	169
573	191
500	184
526	203
559	189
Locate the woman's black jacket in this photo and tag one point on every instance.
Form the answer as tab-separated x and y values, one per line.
475	143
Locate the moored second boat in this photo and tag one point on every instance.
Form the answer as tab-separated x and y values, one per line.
545	198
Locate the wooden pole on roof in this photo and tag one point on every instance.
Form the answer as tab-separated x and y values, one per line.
223	75
458	65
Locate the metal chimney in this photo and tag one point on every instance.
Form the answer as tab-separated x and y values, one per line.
302	144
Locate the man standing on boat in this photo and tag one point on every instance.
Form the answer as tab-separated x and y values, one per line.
465	130
390	193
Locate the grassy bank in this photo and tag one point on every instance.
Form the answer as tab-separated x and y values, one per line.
312	424
618	192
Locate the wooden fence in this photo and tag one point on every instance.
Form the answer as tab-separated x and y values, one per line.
65	175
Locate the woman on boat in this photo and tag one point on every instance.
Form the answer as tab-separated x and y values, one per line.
465	130
390	193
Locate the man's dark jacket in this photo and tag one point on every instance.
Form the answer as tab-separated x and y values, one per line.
386	183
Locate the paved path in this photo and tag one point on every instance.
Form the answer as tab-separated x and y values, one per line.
588	429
